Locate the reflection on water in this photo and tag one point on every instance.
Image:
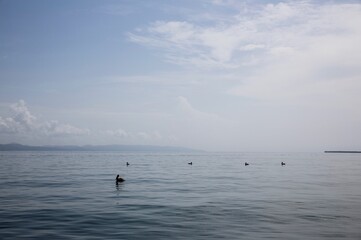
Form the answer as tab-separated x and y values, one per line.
67	195
119	186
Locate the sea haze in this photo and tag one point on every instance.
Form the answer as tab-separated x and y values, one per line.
126	148
67	195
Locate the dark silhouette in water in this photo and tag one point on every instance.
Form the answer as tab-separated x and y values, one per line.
128	164
190	163
119	179
246	164
283	164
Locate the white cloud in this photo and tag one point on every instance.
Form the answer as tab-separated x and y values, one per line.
186	107
188	111
8	125
141	136
197	117
55	128
293	64
22	115
166	78
250	47
202	129
275	28
279	51
20	121
117	133
23	121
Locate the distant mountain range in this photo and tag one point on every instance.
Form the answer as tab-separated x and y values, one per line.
124	148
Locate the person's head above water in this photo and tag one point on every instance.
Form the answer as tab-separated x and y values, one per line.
119	179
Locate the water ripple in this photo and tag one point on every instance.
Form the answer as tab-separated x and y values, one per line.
73	195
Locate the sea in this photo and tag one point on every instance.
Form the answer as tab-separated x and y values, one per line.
73	195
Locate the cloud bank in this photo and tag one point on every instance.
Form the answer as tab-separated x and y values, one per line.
22	121
142	136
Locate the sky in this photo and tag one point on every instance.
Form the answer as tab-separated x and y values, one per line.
221	75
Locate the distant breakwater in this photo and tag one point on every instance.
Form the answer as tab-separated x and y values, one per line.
342	151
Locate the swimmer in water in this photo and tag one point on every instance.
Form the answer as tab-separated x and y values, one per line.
119	179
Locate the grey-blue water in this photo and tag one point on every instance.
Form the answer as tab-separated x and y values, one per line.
67	195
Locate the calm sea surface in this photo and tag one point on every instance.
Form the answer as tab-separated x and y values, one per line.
67	195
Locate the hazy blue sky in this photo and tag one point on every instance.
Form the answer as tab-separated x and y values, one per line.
221	75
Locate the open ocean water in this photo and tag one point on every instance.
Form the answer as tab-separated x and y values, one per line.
67	195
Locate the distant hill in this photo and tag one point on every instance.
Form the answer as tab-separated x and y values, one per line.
342	151
124	148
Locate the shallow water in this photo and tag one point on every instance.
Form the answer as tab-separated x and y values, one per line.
66	195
